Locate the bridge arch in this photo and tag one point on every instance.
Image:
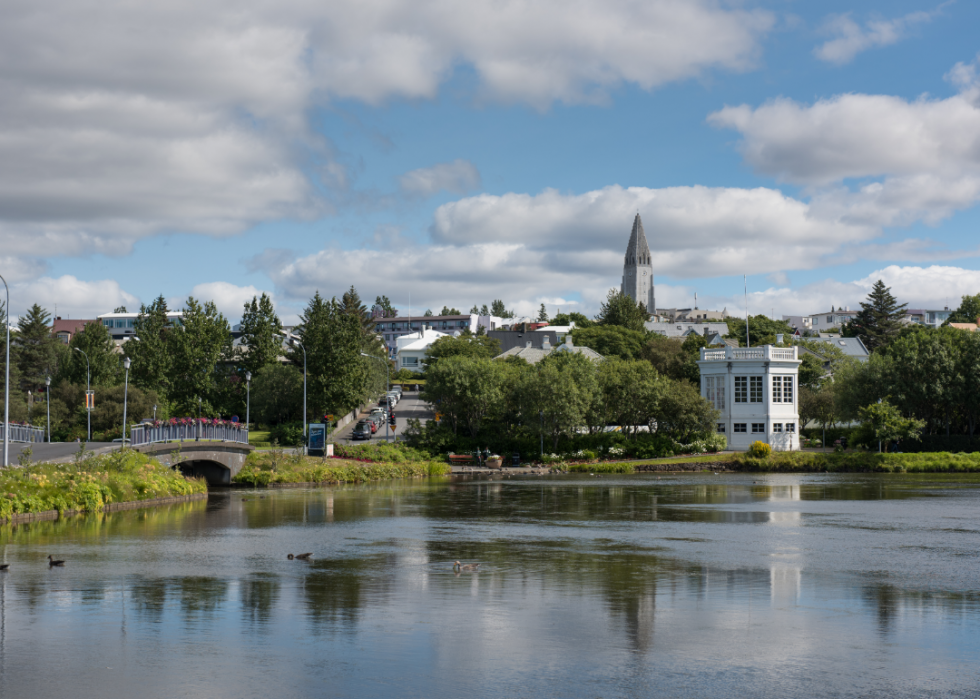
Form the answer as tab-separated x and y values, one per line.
217	462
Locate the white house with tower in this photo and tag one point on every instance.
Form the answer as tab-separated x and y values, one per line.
756	389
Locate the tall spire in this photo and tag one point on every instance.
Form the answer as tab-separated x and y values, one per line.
638	252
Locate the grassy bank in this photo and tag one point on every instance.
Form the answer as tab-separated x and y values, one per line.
90	485
859	462
270	468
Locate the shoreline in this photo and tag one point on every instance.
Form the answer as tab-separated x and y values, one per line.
44	515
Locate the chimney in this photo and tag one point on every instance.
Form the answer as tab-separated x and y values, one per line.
528	345
568	340
779	338
546	344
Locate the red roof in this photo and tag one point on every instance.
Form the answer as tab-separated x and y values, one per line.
71	326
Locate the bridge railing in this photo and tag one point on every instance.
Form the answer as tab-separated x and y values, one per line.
187	431
23	433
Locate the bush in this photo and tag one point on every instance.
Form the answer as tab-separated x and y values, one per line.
760	450
288	434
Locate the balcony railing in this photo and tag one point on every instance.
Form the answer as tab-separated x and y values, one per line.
24	433
766	352
189	431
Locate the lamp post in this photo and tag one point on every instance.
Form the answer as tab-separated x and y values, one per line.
293	341
126	362
47	399
6	381
388	381
248	397
88	388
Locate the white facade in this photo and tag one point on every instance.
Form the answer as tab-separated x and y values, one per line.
756	389
831	320
391	329
412	349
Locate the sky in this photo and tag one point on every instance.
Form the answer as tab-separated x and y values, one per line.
445	153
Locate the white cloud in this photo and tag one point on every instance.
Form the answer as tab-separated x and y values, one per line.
851	39
458	177
229	298
923	155
70	297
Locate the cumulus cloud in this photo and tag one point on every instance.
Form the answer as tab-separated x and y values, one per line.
229	298
71	297
922	156
850	38
458	177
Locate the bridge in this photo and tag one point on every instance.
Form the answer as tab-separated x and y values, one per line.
217	462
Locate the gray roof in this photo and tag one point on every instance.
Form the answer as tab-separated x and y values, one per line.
533	355
850	346
509	339
686	328
637	249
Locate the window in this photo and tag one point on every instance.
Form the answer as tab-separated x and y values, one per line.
758	428
830	319
777	389
787	389
381	326
755	389
791	427
721	427
739	427
120	322
777	427
741	389
130	322
107	323
715	391
410	361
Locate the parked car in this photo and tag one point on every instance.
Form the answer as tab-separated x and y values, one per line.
362	430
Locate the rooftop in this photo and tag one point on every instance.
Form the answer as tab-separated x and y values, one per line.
766	352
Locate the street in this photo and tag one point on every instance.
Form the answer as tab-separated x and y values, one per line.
409	407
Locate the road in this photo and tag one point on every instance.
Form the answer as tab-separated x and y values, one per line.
56	451
409	407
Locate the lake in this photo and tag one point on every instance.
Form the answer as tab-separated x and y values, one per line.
697	585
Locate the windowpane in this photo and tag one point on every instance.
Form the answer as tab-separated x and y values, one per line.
741	389
777	427
777	389
758	428
787	389
755	389
791	427
721	427
739	427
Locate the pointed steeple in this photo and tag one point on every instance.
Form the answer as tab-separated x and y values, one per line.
637	251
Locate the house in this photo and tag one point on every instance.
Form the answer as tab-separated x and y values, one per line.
799	323
122	326
682	330
509	339
831	320
691	315
413	348
532	355
756	391
850	346
970	327
390	329
65	330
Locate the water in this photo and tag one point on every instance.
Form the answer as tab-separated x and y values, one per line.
631	586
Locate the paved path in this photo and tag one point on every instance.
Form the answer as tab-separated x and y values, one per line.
409	407
56	451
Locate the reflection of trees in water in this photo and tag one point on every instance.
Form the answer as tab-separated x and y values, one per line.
259	596
265	509
147	599
200	596
889	604
336	590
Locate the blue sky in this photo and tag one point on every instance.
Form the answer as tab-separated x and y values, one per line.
457	153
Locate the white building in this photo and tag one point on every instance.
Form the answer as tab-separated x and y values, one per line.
756	389
122	326
413	348
831	321
390	329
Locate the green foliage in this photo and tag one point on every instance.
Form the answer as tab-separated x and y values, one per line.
762	330
968	311
447	311
393	452
287	434
277	394
498	309
259	470
34	350
467	390
383	303
261	343
542	314
428	313
105	362
580	320
858	462
611	340
196	349
882	422
466	345
879	321
620	309
151	355
759	449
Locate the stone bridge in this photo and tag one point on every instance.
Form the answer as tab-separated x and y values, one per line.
217	462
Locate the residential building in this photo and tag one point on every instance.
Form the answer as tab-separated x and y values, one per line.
831	320
689	315
756	391
924	316
65	329
850	346
801	324
390	329
413	348
532	355
509	339
638	281
122	326
682	330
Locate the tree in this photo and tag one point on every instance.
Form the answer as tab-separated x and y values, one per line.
484	311
467	390
882	422
968	312
120	309
108	413
968	371
557	393
923	380
261	341
428	313
880	319
568	318
104	361
384	305
762	330
446	311
620	309
498	310
469	345
543	314
675	358
629	394
611	340
475	310
350	304
196	349
277	394
34	349
683	414
151	356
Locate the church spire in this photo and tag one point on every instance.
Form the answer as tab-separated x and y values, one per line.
638	252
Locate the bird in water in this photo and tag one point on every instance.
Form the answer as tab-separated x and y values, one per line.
52	562
469	566
300	556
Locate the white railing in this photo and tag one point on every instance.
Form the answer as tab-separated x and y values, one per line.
778	353
765	352
24	433
714	354
753	353
150	434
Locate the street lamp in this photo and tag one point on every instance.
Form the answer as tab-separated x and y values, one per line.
248	397
88	389
126	362
47	399
6	380
293	341
388	381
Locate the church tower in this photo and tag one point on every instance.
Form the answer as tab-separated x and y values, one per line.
638	269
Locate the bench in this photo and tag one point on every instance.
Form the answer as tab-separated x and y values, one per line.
461	459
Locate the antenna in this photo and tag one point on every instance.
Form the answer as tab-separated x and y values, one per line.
745	280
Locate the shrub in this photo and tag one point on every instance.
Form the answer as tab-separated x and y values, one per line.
289	434
760	450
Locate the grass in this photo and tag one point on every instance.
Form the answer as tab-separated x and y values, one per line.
275	467
259	439
860	462
121	476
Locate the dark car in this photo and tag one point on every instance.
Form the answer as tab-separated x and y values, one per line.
362	430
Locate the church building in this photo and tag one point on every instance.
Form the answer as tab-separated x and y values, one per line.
638	269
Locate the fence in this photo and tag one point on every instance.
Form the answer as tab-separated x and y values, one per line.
24	433
149	434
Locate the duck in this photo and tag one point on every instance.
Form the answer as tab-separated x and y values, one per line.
4	566
300	556
52	562
469	566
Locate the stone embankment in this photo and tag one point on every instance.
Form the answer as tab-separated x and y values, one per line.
111	507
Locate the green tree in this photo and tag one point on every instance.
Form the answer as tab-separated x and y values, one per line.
384	304
467	344
879	321
196	349
620	309
447	311
557	393
675	358
611	340
923	380
883	423
277	394
106	363
475	310
108	413
683	414
484	311
857	384
151	356
968	373
968	311
568	318
261	341
498	309
428	313
34	349
629	394
120	309
762	330
468	391
542	314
